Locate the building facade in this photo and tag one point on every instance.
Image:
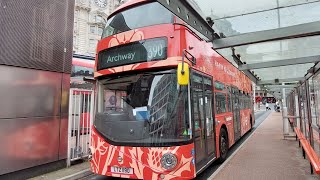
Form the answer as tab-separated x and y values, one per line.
89	20
35	67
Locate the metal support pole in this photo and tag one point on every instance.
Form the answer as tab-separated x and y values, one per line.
297	124
71	104
254	96
285	113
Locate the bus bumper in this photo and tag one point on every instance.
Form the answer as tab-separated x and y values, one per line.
139	162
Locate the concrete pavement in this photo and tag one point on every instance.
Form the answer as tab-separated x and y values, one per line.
266	155
74	172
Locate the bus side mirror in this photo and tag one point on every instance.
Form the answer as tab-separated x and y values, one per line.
183	74
89	80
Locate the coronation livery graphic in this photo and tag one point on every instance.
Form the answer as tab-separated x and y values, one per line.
177	105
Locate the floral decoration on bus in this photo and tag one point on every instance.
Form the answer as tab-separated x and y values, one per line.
144	162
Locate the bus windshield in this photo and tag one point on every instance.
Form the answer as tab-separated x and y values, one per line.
137	17
147	109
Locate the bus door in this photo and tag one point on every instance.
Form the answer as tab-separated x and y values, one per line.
203	122
210	125
236	113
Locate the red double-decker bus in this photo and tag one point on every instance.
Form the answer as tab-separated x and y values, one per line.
167	104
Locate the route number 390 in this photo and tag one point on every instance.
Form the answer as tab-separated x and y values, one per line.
155	51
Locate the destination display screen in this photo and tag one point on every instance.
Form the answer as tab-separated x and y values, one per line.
139	51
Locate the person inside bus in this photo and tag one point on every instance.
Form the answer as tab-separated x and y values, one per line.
113	100
138	95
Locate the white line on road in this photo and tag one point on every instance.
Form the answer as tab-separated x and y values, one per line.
77	175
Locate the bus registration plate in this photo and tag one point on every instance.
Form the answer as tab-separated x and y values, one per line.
121	170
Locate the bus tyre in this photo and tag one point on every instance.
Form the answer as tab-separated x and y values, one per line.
223	145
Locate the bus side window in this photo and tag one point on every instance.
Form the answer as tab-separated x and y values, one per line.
241	101
229	100
198	114
220	102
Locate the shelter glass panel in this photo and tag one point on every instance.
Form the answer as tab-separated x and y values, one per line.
262	14
316	86
220	8
279	50
295	2
283	72
304	13
312	103
284	50
236	25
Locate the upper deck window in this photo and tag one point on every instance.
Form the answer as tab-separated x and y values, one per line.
137	17
81	71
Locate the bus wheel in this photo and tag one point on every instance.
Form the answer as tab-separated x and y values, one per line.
251	125
223	145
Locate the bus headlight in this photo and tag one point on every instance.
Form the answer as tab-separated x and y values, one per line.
169	161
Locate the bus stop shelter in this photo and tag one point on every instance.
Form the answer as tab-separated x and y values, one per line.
276	43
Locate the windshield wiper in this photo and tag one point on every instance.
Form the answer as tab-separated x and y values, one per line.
116	82
159	73
125	99
142	74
